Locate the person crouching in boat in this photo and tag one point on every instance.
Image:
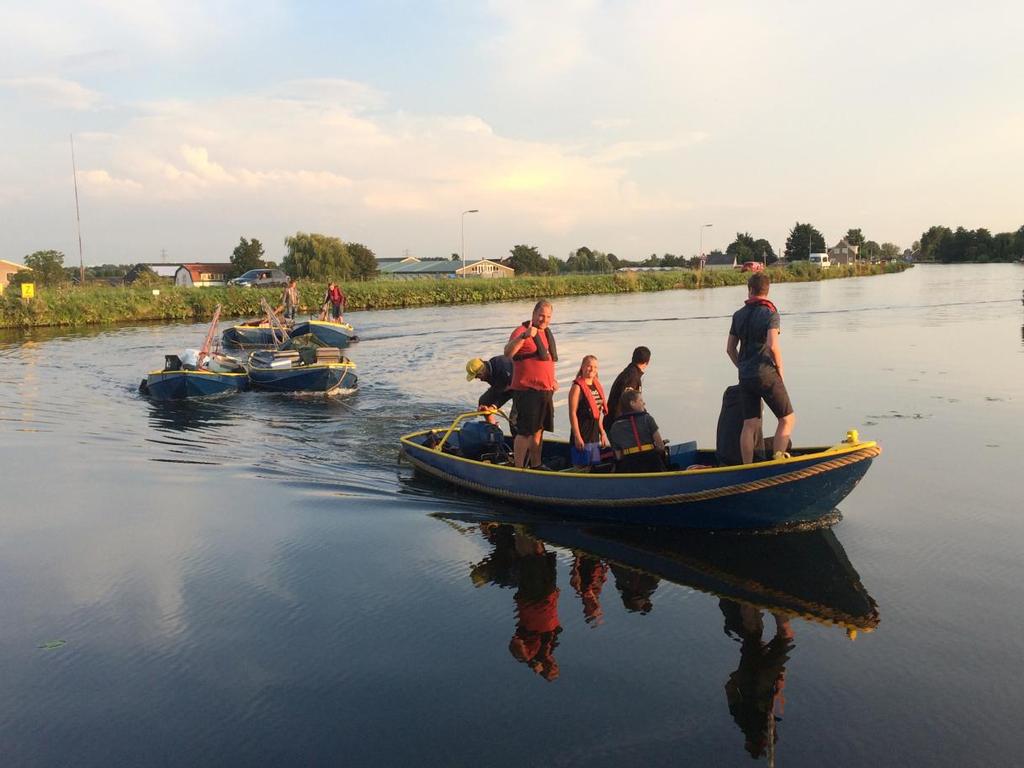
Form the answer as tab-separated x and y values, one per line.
586	416
497	373
635	437
532	349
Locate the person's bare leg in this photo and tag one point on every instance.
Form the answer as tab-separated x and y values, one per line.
521	449
783	432
535	448
750	427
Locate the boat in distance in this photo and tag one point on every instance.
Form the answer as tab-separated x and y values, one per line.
273	372
692	493
330	333
221	376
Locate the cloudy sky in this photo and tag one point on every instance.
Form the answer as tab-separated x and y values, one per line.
619	125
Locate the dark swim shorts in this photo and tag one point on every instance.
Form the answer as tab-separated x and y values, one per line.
768	386
535	410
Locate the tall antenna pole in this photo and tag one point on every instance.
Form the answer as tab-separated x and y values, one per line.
78	218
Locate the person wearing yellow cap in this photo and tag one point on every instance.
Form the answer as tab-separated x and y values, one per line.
497	373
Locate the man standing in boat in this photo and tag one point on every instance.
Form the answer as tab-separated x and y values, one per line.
289	301
630	378
532	349
753	347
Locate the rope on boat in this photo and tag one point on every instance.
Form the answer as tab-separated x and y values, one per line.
868	452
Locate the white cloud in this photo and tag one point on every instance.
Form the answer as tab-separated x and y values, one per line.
55	92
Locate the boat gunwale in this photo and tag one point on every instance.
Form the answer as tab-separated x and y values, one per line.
820	453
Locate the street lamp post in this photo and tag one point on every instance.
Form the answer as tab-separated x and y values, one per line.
701	243
462	234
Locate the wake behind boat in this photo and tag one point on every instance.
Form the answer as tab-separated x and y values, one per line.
694	493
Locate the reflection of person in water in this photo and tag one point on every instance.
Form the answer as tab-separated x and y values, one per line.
537	626
635	588
521	562
588	577
754	690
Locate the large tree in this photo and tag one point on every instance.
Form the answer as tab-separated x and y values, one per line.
316	256
47	267
364	261
803	240
854	237
746	248
890	250
931	239
526	260
248	254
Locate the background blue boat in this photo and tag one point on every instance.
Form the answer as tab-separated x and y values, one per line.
251	336
338	335
325	378
179	385
804	488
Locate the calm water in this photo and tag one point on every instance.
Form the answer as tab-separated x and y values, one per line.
256	581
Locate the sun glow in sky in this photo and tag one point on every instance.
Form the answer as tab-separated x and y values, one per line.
620	126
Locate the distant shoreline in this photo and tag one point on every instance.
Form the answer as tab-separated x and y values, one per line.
78	307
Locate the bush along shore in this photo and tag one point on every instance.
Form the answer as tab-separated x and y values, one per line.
98	305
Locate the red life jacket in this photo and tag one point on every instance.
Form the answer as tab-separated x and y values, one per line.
594	410
533	366
761	301
335	295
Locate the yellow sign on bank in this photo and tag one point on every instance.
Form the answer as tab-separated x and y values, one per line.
28	290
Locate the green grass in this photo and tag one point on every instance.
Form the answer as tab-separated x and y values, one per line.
99	305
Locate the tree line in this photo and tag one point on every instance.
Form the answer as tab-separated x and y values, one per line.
970	245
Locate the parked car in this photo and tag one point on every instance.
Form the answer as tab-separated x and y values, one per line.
261	278
752	266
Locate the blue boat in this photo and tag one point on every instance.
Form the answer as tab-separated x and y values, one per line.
327	378
805	488
248	336
338	335
181	384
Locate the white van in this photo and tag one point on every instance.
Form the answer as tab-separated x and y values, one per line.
820	260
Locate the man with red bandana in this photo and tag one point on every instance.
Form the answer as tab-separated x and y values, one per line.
753	347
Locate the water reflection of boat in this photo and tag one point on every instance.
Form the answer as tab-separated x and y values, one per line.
804	488
801	573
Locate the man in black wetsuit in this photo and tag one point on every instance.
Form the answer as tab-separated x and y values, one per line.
753	347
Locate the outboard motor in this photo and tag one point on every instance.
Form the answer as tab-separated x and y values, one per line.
479	439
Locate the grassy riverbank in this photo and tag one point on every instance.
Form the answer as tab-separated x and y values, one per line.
98	305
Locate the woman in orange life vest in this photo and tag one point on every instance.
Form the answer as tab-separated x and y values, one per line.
587	410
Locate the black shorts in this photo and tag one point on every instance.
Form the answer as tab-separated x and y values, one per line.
768	386
535	410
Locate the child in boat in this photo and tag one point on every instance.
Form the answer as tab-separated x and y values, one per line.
635	437
587	410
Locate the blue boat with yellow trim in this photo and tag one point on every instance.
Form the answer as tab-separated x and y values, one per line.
332	334
275	372
804	488
259	333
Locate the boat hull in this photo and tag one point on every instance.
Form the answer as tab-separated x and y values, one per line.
325	378
246	336
338	335
766	495
182	385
